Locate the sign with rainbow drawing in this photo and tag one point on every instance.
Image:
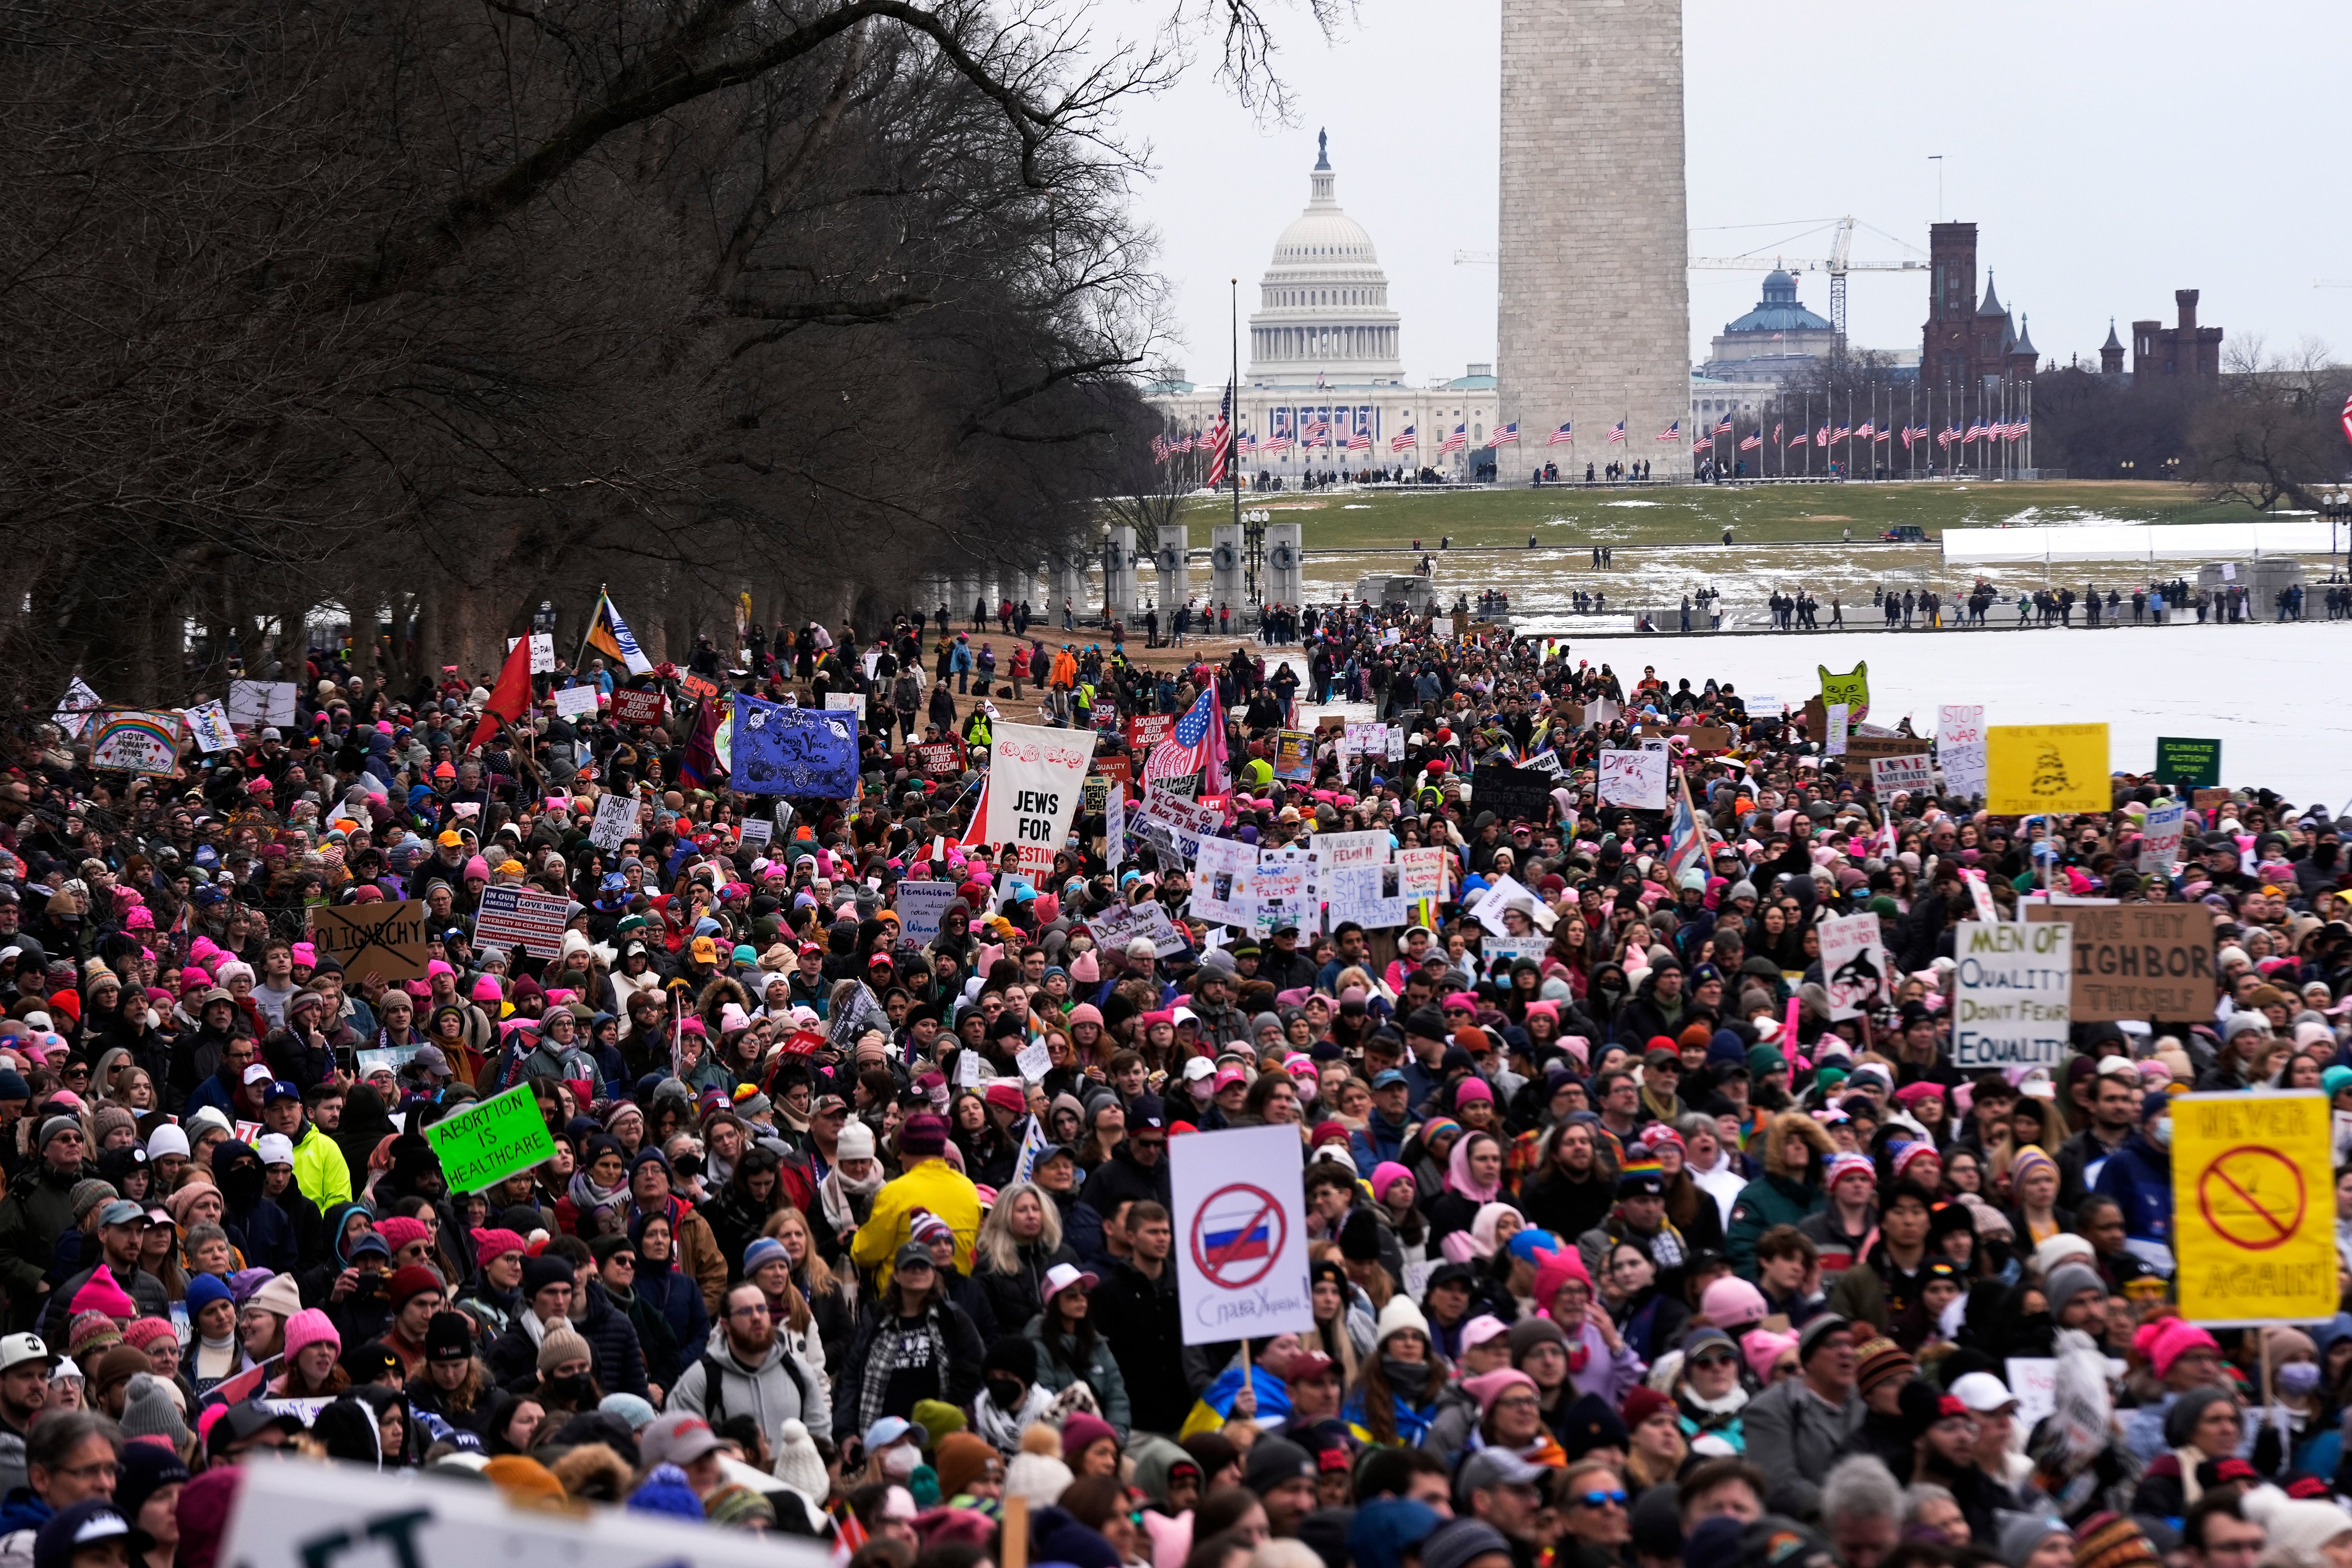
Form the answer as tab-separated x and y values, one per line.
137	740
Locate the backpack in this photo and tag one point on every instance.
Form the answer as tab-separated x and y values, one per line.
714	1387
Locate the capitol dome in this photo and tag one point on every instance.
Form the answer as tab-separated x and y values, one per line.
1323	305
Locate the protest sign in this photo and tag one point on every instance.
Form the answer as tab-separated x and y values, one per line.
1294	755
1147	731
2034	1381
1284	884
1513	795
800	752
1500	895
78	708
208	726
386	941
1980	894
854	1016
542	652
1034	1062
253	704
2010	1003
137	740
1502	951
2254	1212
921	907
2183	761
938	759
1122	923
1637	779
1342	850
845	702
2136	961
574	702
1909	771
385	1059
1372	896
1032	796
1960	748
485	1143
1364	740
1423	873
1114	829
1854	964
634	707
2160	834
522	917
754	832
1838	722
1240	1235
1710	738
1185	822
1220	878
2040	768
698	688
616	821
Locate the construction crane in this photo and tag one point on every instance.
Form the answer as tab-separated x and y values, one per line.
1837	264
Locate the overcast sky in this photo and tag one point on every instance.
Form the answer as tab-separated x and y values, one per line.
2109	153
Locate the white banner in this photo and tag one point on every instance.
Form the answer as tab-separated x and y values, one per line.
1637	779
1240	1235
1911	775
542	652
1034	778
1115	826
255	703
1220	882
2011	1000
1488	910
616	821
1854	964
2161	835
209	727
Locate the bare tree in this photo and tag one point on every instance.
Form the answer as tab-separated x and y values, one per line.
2269	434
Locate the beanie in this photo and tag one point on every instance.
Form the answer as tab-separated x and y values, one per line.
962	1458
492	1243
204	1290
666	1491
2069	1280
101	1294
1732	1303
145	1332
149	1412
1763	1349
799	1465
763	1251
309	1327
400	1230
561	1346
410	1281
923	1135
449	1336
1880	1359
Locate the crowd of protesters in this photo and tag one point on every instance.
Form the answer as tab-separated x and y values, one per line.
1624	1253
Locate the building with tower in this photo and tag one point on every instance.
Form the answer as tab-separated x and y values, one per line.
2186	351
1592	322
1970	345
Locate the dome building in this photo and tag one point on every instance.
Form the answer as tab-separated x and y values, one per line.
1778	336
1323	312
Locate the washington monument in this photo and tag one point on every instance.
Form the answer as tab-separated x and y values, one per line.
1594	304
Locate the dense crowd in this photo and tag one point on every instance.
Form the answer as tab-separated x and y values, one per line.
1623	1252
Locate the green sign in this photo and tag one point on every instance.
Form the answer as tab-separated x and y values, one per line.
2179	759
483	1144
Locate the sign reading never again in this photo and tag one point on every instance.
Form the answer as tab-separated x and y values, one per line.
2253	1210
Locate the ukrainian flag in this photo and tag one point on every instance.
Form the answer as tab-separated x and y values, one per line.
610	634
1216	1406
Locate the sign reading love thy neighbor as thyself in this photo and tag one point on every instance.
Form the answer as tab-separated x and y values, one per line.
483	1144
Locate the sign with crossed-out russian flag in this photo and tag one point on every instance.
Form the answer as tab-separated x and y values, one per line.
1241	1234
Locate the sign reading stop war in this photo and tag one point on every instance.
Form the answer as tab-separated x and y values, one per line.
2137	960
2253	1208
1240	1235
386	941
483	1144
2010	997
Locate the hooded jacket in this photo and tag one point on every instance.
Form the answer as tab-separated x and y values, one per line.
1772	1198
773	1390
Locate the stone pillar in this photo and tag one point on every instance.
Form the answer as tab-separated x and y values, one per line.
1119	575
1285	565
1228	584
1172	558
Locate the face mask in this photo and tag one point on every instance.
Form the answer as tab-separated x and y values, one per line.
1005	1391
1404	1374
2299	1379
576	1389
898	1463
2164	1133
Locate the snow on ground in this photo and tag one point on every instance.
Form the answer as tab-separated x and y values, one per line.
2271	694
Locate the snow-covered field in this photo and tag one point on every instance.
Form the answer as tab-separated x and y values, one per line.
2273	695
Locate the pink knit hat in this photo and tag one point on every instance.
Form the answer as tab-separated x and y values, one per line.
1732	1303
494	1243
2165	1341
1386	1174
400	1230
307	1328
101	1294
1762	1347
1555	1270
1488	1388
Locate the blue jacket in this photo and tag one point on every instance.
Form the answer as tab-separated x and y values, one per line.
2140	1177
1380	1139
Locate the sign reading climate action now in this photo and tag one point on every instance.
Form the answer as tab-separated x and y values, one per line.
2253	1208
2010	1003
483	1144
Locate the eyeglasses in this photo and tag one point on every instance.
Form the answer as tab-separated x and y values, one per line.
758	1311
1714	1361
1517	1402
1600	1500
98	1470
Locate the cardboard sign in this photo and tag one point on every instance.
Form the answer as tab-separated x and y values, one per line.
2207	799
1513	795
1854	964
137	740
921	907
1294	756
1222	869
1839	724
1240	1235
2010	1006
522	917
2137	960
574	702
1122	923
386	941
2254	1213
1636	779
633	707
617	816
938	759
845	702
483	1144
1710	738
2183	761
1910	772
2041	768
252	704
1185	822
1372	896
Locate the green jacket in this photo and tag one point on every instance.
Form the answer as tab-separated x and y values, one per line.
1766	1201
320	1172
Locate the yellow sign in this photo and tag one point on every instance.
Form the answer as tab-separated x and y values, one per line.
2253	1208
2034	768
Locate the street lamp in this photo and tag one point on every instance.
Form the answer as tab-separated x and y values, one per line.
2127	465
2171	467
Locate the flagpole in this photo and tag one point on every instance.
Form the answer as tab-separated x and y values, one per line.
1233	445
580	659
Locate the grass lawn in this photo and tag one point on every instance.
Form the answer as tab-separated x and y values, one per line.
1696	514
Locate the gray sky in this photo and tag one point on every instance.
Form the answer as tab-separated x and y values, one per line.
2109	153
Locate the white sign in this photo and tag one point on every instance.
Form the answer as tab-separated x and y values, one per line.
921	907
1117	926
1340	850
755	833
2034	1381
845	702
1960	724
1854	964
1364	740
616	821
574	701
1488	910
1502	951
2161	835
542	652
79	706
1034	1062
1960	748
254	703
1240	1235
1423	873
1911	774
1115	826
1637	779
1184	823
1980	894
208	726
1372	896
1222	869
303	1515
1835	745
2010	1001
1284	884
1035	777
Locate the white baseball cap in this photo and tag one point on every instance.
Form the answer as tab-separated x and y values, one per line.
15	1350
1982	1393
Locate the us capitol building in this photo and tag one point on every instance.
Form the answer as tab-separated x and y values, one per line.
1325	349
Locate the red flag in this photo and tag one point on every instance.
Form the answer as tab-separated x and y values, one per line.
510	698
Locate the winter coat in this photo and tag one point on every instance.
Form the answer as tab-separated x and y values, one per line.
2138	1176
37	1210
1772	1198
960	1378
930	1184
1140	1319
618	1356
1059	1366
772	1391
1794	1436
1019	1296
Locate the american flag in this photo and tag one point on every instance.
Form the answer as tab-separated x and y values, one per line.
1456	442
1319	430
1749	443
1672	432
1777	429
1567	431
1799	439
1821	436
1219	438
1403	439
1975	432
1865	431
1195	744
1725	427
1686	841
1841	434
1361	441
2347	418
1509	435
1880	434
1278	442
1248	443
1160	448
1617	431
1944	437
2023	427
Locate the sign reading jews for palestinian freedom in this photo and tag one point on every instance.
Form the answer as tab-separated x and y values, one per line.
1239	1214
2137	960
2253	1208
485	1143
386	941
2010	1001
1035	776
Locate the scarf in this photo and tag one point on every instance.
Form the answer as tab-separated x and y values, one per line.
847	1204
883	1361
588	1197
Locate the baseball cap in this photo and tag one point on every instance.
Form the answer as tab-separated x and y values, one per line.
1484	1327
258	1072
1383	1080
278	1089
677	1439
122	1211
887	1431
1982	1392
1495	1467
1199	1067
15	1350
